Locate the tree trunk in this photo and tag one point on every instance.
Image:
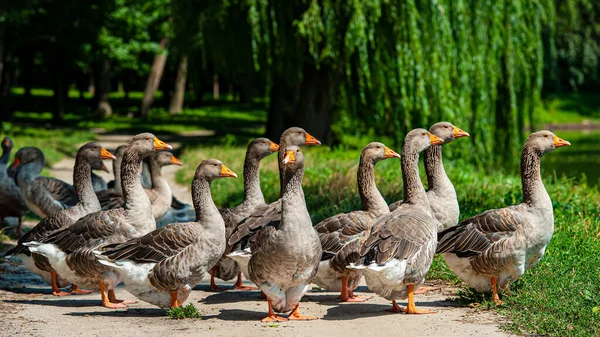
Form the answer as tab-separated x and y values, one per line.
179	94
216	92
307	104
154	79
102	107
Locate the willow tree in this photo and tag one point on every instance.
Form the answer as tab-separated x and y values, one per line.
394	65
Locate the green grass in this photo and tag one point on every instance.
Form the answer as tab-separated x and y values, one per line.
188	311
570	108
559	297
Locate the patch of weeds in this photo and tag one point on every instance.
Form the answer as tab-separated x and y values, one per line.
188	311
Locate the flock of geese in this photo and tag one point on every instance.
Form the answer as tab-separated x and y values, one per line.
94	236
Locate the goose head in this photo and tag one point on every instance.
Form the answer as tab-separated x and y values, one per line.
544	141
165	158
376	151
297	136
28	154
94	153
419	140
211	169
146	144
261	148
447	132
7	144
293	158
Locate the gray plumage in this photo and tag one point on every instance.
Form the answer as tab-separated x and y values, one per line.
285	257
401	245
88	156
441	192
43	195
177	256
71	250
342	235
11	202
226	269
504	243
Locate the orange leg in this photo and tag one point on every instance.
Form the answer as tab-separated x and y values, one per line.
411	308
295	315
174	299
272	317
213	285
55	290
362	298
113	298
240	286
106	302
76	291
395	308
496	298
347	295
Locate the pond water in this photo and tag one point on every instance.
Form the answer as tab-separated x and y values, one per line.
582	157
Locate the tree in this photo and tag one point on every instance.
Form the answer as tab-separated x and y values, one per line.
179	93
154	78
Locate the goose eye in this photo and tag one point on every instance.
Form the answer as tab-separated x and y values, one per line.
545	136
424	134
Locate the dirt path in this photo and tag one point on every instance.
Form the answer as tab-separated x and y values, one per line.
28	309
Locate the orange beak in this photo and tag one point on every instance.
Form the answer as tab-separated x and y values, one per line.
175	161
104	154
559	142
458	133
310	140
104	168
435	140
226	172
289	158
273	147
159	145
389	153
16	163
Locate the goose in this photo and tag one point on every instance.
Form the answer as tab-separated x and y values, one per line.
70	251
441	193
11	202
43	195
98	182
265	214
88	156
496	247
258	149
160	194
285	256
400	247
163	266
341	234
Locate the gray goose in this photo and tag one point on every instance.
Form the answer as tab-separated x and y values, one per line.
341	235
88	156
163	266
43	195
265	214
11	202
71	250
400	247
441	193
160	194
226	269
98	182
285	256
496	247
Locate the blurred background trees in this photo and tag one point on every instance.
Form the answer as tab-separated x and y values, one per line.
334	67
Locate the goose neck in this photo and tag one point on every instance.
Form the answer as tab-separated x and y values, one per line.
293	204
136	200
252	193
82	179
206	210
370	197
534	192
414	192
434	168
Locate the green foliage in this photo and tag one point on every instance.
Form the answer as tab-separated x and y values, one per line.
188	311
